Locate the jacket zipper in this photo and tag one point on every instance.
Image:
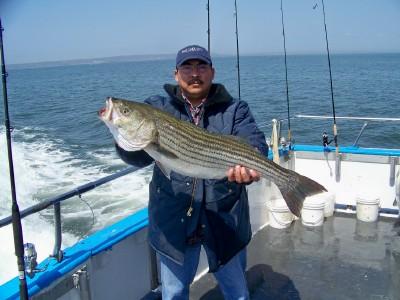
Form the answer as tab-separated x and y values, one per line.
190	209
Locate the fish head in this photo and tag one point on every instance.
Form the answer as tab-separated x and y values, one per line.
129	123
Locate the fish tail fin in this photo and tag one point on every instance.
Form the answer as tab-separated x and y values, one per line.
296	188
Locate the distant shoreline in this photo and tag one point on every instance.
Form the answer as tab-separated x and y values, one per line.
90	61
153	57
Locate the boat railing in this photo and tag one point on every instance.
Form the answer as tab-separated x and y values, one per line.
365	119
318	117
56	203
78	191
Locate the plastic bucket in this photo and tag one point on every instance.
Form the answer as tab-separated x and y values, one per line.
367	209
279	214
312	213
329	204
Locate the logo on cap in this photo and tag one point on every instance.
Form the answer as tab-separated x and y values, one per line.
193	52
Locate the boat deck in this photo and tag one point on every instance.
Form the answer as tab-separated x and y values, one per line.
343	259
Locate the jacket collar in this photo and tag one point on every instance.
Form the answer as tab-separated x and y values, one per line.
218	94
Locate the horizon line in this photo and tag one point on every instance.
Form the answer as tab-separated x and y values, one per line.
146	57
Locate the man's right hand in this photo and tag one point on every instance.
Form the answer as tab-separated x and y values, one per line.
241	174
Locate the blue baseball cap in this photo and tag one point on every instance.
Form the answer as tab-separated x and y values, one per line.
192	52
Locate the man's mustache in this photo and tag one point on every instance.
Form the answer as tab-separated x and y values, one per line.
195	80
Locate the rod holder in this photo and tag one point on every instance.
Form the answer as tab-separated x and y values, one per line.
392	162
338	163
292	161
359	134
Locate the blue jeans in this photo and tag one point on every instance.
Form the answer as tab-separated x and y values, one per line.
176	279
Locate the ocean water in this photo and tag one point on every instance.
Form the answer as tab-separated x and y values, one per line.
59	143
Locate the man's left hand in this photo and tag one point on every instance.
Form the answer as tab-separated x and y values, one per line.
241	174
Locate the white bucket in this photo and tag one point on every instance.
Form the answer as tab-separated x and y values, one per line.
312	213
279	214
329	204
367	209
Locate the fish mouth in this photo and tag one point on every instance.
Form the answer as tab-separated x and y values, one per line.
105	113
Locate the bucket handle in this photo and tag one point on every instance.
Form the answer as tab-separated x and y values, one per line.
282	223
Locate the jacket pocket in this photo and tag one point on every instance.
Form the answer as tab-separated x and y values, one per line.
221	195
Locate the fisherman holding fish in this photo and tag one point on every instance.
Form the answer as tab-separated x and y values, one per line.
207	148
185	213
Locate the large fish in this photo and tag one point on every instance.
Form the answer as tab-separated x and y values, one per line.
192	151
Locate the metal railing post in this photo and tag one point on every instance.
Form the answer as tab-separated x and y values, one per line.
359	134
57	252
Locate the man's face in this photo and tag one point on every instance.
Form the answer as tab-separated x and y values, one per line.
195	78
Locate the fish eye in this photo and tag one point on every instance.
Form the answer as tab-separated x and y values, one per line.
125	110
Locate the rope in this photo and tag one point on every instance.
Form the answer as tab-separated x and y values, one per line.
87	204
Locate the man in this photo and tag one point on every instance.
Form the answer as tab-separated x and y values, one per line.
187	213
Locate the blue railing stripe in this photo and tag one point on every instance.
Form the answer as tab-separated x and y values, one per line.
77	254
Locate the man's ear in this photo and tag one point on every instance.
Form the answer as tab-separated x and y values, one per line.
176	75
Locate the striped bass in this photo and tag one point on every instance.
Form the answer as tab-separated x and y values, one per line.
192	151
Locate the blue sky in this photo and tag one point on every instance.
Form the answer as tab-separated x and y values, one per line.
45	30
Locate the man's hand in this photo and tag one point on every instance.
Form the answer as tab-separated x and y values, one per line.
242	175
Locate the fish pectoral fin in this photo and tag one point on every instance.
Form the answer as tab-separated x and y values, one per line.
166	171
167	154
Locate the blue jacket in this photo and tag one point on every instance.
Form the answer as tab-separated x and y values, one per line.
220	210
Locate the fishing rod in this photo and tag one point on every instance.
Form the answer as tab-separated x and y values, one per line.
286	78
237	49
16	217
335	135
208	26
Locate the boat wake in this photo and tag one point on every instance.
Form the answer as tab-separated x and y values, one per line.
44	169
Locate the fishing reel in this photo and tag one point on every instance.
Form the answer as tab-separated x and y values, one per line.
30	260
